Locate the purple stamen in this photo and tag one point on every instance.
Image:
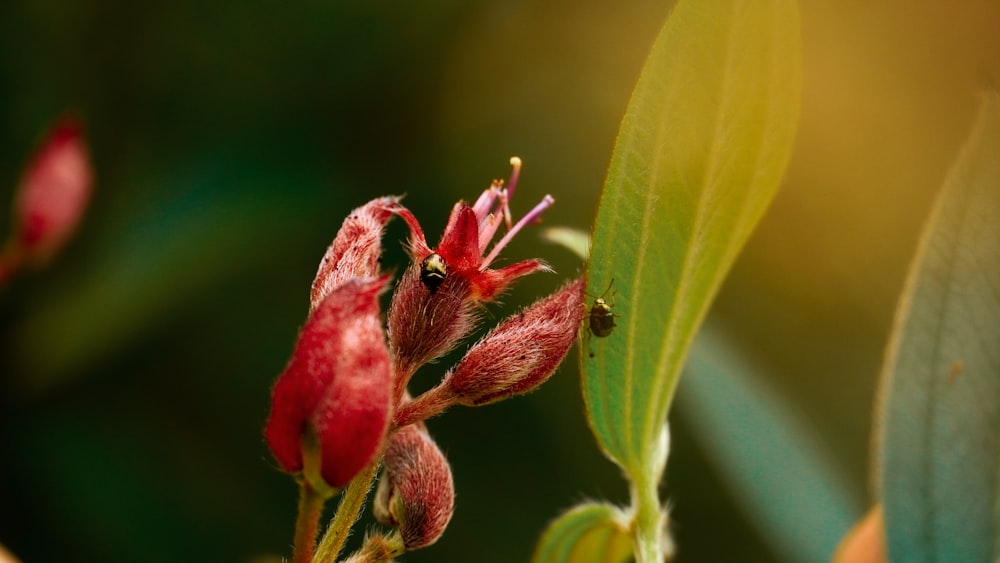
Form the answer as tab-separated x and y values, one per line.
515	173
486	201
487	229
532	215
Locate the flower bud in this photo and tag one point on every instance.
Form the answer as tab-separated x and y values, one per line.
416	493
355	250
521	353
334	395
434	304
424	325
53	193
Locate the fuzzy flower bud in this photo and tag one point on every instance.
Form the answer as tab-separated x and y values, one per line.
355	251
424	326
434	306
332	402
521	353
514	358
53	193
416	493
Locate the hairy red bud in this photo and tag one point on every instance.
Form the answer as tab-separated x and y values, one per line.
53	193
355	250
424	325
416	493
521	353
335	392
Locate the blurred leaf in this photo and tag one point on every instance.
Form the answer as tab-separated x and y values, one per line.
940	448
699	156
775	466
574	240
589	533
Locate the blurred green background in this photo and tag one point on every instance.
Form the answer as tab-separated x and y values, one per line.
230	139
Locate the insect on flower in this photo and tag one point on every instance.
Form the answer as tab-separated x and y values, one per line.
601	319
433	271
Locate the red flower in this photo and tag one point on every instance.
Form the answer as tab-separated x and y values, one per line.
332	405
468	234
433	307
332	402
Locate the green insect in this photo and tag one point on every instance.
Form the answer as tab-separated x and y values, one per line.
601	320
433	271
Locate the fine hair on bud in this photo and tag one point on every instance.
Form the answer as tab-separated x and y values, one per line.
336	389
521	353
355	251
416	493
424	325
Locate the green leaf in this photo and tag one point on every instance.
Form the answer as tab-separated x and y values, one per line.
574	240
699	156
790	489
589	533
940	445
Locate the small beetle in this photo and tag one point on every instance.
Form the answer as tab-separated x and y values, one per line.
601	320
433	271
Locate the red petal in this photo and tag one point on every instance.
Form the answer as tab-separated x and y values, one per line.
355	250
460	244
418	243
338	380
490	284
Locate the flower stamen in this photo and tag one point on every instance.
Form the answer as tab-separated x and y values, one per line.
531	217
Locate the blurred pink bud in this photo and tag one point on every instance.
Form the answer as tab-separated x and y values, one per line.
53	193
355	250
521	353
335	391
416	493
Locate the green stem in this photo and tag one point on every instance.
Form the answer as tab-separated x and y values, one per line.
351	502
379	548
648	524
306	523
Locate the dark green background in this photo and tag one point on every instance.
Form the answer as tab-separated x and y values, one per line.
230	139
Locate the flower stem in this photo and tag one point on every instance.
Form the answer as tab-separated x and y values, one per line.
307	523
648	523
351	502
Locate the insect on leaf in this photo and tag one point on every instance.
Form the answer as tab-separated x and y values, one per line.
700	153
940	410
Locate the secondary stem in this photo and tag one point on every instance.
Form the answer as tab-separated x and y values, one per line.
351	502
648	523
306	523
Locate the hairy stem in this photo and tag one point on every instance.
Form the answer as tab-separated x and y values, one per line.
306	523
348	510
648	522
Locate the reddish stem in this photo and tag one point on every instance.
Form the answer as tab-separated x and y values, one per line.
306	523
